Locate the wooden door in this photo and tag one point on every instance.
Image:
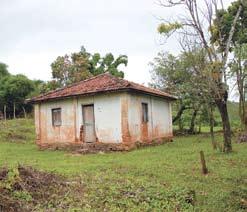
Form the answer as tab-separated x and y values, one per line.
89	124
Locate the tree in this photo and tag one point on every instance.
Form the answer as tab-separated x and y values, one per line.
4	73
82	65
220	31
194	27
238	68
221	28
14	90
178	75
168	75
110	64
3	70
45	87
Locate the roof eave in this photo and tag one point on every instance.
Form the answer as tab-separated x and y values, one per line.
170	98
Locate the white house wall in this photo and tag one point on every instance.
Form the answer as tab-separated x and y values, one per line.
159	114
118	117
161	117
107	112
57	134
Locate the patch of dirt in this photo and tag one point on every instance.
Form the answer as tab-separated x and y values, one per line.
101	148
25	189
85	148
14	136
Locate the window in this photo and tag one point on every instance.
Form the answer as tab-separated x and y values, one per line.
144	112
56	117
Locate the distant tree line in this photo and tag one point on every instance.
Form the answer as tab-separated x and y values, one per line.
67	69
14	89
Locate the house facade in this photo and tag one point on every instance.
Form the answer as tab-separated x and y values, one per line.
103	109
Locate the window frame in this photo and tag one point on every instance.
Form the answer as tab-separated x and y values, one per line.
145	117
56	123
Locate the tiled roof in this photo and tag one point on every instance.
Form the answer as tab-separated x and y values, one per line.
99	84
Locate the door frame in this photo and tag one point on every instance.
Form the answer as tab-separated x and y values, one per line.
83	121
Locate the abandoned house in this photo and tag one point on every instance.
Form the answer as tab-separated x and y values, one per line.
103	109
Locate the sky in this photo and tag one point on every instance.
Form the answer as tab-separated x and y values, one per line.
34	32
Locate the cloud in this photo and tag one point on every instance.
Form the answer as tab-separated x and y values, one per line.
34	33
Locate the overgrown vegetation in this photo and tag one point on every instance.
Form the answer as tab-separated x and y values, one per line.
18	131
24	189
166	177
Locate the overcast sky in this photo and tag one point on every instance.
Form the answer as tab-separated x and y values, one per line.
34	32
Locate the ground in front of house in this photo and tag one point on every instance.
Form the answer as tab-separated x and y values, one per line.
165	177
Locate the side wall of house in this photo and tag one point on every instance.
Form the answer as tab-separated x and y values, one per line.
37	122
159	123
46	132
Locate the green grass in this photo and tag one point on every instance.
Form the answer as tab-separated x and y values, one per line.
204	129
119	181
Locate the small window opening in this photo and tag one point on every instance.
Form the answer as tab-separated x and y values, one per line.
144	112
56	117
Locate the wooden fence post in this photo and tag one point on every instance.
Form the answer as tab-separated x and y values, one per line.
14	111
5	113
203	163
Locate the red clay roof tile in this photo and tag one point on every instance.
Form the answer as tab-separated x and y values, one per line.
99	84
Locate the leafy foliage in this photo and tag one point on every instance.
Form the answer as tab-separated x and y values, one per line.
169	28
222	25
185	77
82	65
14	89
3	70
17	88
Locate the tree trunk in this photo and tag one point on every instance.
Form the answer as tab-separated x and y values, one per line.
240	112
222	106
24	111
5	112
244	113
240	83
200	125
192	123
179	114
180	124
211	121
14	111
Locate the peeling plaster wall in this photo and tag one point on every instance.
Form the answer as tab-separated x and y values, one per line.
107	112
159	124
57	134
37	121
118	118
161	118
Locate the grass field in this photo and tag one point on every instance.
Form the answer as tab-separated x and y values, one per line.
149	179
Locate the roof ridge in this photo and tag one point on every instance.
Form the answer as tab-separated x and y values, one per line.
85	80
